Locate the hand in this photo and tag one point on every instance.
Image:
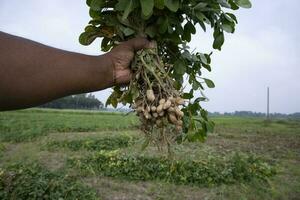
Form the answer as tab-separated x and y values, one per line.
32	74
121	57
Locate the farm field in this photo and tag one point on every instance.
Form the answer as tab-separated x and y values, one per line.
53	154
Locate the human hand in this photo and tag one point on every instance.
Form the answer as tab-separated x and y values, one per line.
121	57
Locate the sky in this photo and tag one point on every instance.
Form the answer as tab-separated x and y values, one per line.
263	52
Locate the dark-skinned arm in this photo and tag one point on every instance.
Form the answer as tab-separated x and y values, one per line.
32	74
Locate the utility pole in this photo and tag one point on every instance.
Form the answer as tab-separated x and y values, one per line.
268	104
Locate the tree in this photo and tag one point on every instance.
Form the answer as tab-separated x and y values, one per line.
81	101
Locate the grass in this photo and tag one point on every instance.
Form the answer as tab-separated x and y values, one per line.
30	124
206	172
94	144
35	182
50	138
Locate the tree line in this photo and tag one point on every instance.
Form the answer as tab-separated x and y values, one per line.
80	101
255	114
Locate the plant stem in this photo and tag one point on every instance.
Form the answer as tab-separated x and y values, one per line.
154	74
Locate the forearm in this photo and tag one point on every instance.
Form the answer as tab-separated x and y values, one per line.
32	74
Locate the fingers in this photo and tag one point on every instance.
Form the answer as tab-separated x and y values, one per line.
138	43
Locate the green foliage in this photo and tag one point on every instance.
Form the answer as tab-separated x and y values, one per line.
171	23
2	149
244	3
80	101
27	125
104	143
217	170
33	182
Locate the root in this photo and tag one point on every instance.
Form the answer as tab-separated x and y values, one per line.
158	103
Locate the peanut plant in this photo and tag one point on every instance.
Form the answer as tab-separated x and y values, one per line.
156	92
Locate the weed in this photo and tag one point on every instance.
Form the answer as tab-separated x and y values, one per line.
34	182
217	170
90	144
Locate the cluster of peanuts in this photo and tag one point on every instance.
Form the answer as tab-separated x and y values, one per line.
160	112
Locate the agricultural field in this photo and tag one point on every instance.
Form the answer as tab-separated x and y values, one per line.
52	154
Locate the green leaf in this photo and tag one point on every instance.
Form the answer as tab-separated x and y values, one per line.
187	96
121	5
203	59
135	92
147	7
127	6
159	4
187	55
209	83
229	28
200	16
128	31
151	31
194	108
114	102
88	2
232	16
233	5
128	9
208	67
105	46
243	3
202	26
224	3
96	5
196	85
163	24
210	126
201	19
93	13
189	29
173	5
199	99
95	22
204	114
200	135
87	38
200	5
192	125
179	67
219	40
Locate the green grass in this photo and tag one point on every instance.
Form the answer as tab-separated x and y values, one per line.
93	144
51	138
34	182
207	172
27	125
2	149
256	125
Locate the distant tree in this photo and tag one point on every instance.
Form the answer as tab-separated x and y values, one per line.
257	114
295	115
80	101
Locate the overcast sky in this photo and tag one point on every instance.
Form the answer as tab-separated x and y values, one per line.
264	51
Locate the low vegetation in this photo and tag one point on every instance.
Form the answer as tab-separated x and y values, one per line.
28	125
34	182
94	144
245	158
2	149
215	171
